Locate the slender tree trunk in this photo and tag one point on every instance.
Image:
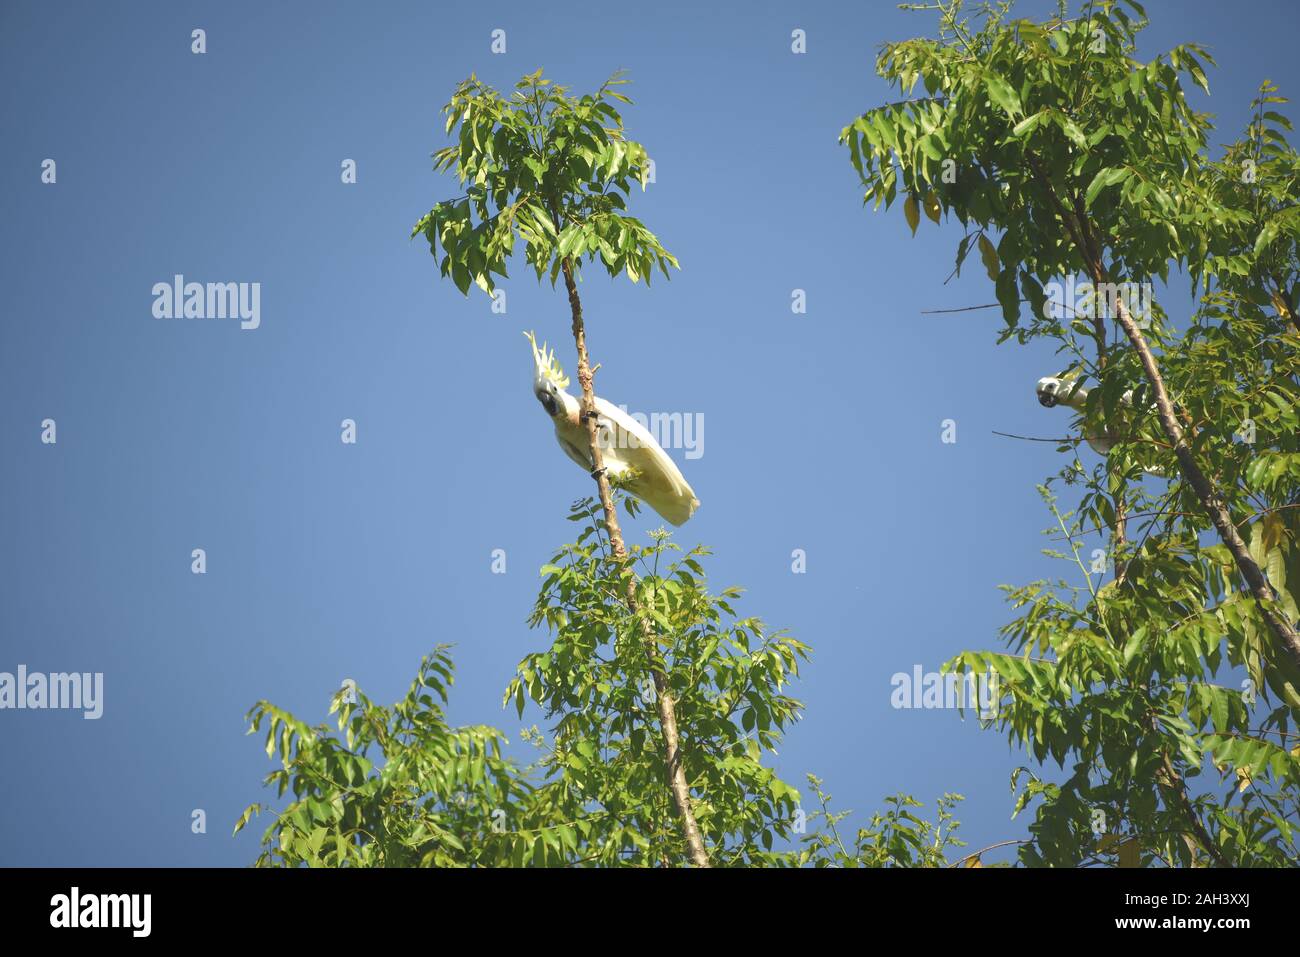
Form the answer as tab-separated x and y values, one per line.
1119	536
1210	500
1089	247
1176	795
1078	228
663	694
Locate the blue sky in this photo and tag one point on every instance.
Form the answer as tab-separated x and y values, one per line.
327	561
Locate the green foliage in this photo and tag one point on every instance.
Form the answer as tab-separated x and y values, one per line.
1036	119
548	168
893	838
727	676
398	787
1060	153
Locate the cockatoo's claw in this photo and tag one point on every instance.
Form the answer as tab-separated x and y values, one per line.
597	473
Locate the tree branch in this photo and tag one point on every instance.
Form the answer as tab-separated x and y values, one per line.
663	694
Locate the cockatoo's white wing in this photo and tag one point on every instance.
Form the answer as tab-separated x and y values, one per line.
659	482
580	455
1065	390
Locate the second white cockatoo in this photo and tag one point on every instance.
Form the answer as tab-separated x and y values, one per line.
1066	390
628	451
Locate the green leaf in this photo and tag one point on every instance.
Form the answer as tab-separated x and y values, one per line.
932	208
1104	179
989	256
912	212
1096	186
1009	298
1029	124
1002	95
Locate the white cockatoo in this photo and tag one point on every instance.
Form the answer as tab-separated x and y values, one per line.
629	452
1066	390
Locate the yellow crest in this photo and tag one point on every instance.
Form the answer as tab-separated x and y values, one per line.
546	363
